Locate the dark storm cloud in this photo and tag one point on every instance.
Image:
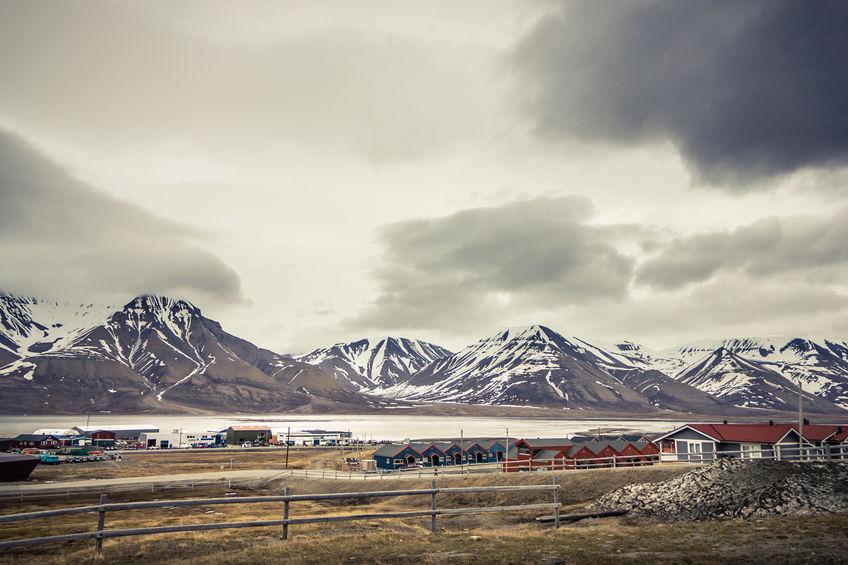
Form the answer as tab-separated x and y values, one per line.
475	264
762	249
60	237
746	90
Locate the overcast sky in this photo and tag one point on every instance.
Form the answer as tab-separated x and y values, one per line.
309	172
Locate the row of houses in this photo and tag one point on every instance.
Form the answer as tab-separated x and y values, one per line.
100	438
580	452
688	443
391	456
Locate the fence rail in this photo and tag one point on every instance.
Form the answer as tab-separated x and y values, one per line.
286	521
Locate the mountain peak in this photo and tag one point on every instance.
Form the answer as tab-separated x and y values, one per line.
531	332
155	302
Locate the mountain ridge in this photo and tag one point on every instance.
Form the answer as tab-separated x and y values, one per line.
162	353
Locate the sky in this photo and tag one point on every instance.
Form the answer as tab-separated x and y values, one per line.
310	172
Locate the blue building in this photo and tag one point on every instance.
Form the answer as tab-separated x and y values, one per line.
393	456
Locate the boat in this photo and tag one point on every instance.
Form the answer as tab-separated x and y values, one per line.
16	467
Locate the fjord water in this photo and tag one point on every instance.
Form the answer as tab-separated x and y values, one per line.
377	427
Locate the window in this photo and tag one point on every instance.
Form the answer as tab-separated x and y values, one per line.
751	451
398	461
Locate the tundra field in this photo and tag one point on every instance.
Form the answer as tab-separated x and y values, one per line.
507	538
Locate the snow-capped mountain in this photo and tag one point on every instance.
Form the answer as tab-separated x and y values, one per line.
29	326
747	383
375	363
154	353
530	366
821	363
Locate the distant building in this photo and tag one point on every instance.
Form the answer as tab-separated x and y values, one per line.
101	438
314	437
237	435
56	432
439	453
124	432
38	441
579	452
179	439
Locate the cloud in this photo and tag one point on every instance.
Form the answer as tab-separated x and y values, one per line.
472	267
130	76
764	248
746	90
56	231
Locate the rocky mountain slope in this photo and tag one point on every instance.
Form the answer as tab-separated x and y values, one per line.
746	383
161	354
154	353
532	366
536	366
375	363
820	363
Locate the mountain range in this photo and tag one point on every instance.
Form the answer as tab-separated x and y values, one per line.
152	354
158	354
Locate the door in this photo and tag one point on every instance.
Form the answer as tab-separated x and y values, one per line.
695	452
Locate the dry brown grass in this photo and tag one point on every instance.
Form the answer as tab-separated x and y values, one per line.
147	463
462	539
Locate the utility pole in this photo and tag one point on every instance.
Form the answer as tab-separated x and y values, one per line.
288	433
506	454
800	419
463	458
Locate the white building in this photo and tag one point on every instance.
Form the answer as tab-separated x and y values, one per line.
176	439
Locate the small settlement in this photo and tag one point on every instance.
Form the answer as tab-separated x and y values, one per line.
693	443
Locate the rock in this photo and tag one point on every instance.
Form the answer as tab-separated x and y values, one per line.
732	488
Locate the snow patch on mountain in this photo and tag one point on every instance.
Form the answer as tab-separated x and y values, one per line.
375	363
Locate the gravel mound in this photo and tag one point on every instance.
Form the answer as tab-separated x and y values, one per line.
732	488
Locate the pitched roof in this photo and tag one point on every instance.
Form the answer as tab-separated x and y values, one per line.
547	454
744	432
597	446
488	443
251	428
818	432
35	437
445	445
392	449
762	433
546	442
421	447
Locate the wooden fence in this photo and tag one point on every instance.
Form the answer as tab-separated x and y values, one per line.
285	521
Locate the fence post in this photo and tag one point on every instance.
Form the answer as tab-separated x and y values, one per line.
101	522
556	501
286	492
433	506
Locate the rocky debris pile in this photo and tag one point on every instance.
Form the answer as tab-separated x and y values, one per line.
732	488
